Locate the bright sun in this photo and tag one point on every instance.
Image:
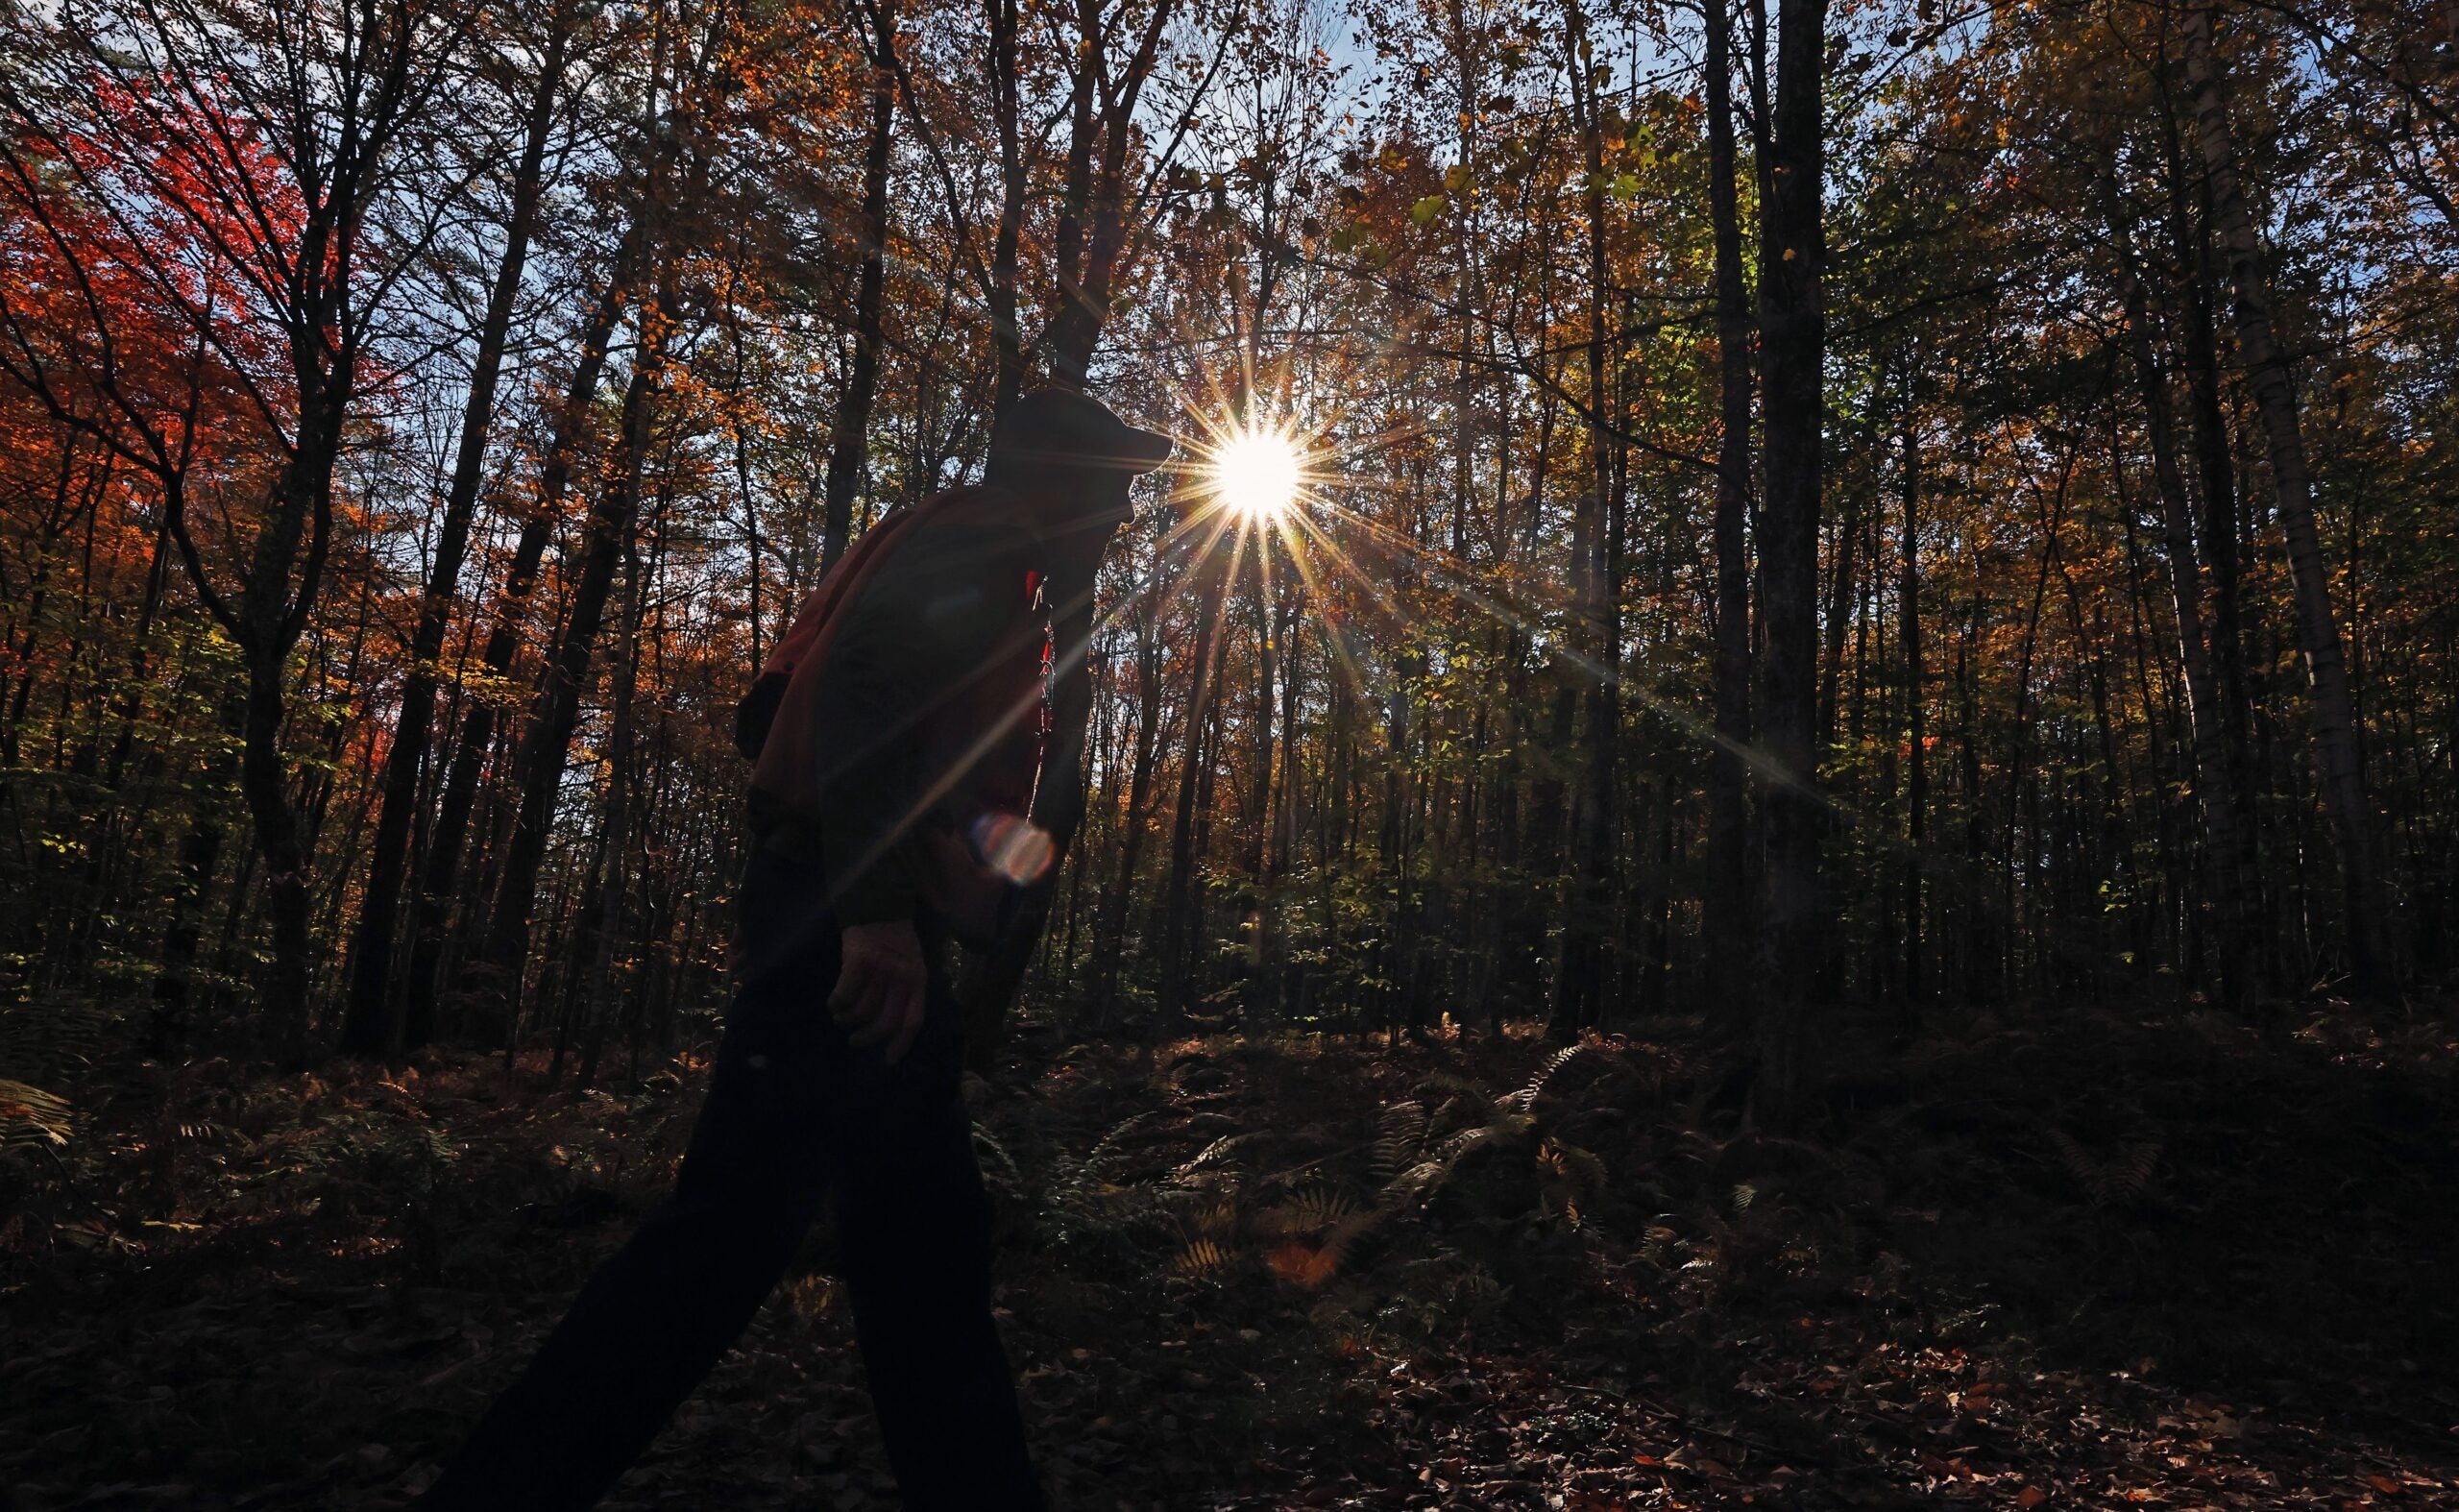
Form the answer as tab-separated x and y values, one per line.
1257	474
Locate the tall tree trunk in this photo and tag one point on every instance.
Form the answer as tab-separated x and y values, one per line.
1727	912
556	709
2216	475
615	882
849	437
1004	81
1579	987
1916	780
439	878
263	781
2337	757
1110	928
365	1027
1090	235
2230	860
1178	901
1792	350
267	625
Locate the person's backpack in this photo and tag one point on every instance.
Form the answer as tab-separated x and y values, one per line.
813	624
972	868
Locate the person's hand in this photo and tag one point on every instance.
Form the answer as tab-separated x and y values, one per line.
881	986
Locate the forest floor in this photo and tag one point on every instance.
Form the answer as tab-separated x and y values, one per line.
2063	1256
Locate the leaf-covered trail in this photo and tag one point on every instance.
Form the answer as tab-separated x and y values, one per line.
2099	1261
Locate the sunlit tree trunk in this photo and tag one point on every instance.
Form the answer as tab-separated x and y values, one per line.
1007	337
1916	708
1110	928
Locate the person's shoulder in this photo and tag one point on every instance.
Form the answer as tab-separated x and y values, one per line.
974	520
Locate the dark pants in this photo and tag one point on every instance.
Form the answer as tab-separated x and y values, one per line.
794	1113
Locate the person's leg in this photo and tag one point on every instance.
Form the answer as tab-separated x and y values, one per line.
659	1313
917	1226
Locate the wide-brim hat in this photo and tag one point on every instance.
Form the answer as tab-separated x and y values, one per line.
1059	428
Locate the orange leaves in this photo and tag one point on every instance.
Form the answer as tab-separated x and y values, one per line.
141	238
1303	1264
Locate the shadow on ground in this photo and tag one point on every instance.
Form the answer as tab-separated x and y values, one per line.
2070	1256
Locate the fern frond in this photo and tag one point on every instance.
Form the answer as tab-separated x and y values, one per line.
984	1143
1213	1153
1343	1238
1202	1257
1573	1163
1303	1264
1414	1184
1506	1126
1442	1086
33	1119
1088	1169
1399	1139
2124	1176
1526	1097
2129	1170
1316	1209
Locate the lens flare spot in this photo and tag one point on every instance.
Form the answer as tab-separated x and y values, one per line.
1257	473
1013	847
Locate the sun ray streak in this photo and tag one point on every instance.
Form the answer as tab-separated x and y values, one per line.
1316	600
1341	560
1457	579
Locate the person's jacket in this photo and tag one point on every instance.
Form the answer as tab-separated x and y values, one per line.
911	698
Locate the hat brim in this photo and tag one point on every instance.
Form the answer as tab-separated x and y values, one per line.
1131	451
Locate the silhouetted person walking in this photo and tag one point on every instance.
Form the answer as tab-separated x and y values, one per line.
898	733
